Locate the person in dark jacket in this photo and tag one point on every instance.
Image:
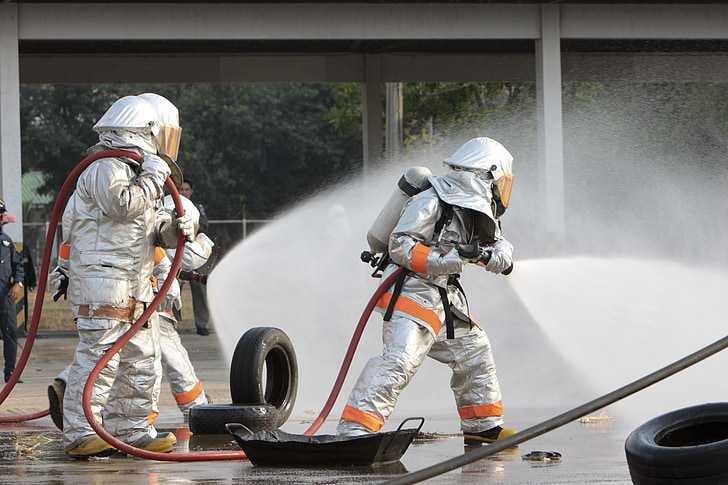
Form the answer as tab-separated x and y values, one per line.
198	289
11	289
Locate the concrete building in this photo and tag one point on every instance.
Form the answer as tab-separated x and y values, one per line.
367	42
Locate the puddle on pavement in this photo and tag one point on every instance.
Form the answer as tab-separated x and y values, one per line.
32	455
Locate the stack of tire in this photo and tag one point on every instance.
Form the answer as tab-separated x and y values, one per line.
263	385
687	447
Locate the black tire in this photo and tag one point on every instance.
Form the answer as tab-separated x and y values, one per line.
687	446
212	418
269	348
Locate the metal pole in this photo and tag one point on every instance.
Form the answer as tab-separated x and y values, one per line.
393	121
550	122
371	103
10	173
245	224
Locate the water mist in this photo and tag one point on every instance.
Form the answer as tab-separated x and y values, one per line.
636	281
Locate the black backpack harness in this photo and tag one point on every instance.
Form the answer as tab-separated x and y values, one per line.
442	222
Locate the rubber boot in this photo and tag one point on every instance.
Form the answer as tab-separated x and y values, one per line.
488	436
163	443
91	446
55	402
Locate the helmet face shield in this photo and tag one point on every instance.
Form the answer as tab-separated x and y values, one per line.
168	140
504	186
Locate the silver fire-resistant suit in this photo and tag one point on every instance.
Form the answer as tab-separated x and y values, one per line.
417	328
113	221
176	363
186	387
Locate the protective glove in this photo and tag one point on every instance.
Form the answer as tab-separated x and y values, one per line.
186	227
449	263
58	280
501	256
470	252
155	168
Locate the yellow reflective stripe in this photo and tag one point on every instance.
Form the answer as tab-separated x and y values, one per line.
159	255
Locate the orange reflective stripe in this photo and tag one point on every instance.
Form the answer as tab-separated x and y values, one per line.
410	307
189	396
482	411
369	421
159	255
65	251
152	418
155	283
419	258
183	434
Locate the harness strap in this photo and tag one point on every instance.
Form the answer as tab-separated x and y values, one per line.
455	281
395	295
449	324
443	221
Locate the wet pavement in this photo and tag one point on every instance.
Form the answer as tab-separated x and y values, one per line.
31	453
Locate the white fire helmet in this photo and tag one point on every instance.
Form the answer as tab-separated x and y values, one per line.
490	160
129	122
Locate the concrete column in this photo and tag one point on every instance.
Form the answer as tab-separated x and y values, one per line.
372	111
550	124
393	140
10	174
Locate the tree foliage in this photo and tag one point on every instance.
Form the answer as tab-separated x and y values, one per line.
261	145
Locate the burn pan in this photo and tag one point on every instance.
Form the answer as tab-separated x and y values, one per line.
278	448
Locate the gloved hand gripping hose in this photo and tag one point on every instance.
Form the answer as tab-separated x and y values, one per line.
66	189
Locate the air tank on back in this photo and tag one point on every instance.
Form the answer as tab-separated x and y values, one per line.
412	182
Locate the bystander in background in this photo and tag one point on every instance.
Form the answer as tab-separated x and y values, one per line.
11	289
198	289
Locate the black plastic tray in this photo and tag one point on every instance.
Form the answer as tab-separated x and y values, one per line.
278	448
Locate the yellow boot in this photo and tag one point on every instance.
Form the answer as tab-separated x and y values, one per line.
91	446
163	443
488	436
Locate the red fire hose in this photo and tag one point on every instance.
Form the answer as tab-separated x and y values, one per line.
353	344
66	189
216	455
